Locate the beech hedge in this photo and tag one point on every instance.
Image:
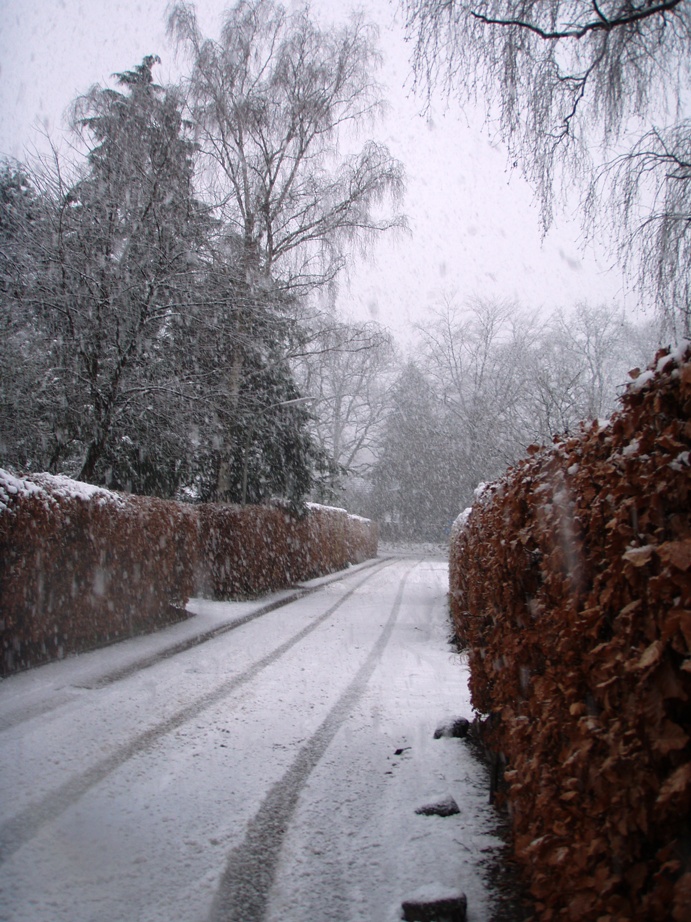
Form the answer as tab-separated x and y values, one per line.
245	550
82	566
571	590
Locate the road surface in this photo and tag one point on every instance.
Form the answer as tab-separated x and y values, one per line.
266	772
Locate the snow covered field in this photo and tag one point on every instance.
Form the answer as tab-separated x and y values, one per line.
271	772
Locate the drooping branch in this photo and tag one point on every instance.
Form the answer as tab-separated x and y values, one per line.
566	82
601	24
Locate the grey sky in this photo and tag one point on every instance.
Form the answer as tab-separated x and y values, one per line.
474	226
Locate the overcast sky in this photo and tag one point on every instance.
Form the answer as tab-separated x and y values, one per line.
474	226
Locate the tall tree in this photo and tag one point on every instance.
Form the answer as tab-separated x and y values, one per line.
108	249
568	78
125	238
270	101
240	339
32	406
416	482
478	358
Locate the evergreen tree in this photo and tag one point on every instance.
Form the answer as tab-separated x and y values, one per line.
112	259
416	482
32	407
126	238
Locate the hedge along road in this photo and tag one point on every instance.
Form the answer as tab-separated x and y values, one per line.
270	773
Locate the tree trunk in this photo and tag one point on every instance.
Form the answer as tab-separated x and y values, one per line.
223	485
93	456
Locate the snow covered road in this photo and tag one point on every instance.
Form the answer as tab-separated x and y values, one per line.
269	773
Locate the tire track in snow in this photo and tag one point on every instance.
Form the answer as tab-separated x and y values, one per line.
243	892
299	593
26	825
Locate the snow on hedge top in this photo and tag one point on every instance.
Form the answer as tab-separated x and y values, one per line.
51	486
460	522
675	356
318	506
326	508
59	485
14	486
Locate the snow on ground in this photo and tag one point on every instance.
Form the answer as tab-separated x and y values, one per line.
409	549
356	841
289	753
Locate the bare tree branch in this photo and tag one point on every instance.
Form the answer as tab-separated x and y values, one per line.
601	24
567	81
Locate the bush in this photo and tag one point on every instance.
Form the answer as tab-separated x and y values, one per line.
571	588
253	549
81	567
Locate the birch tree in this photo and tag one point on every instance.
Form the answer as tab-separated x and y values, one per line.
271	101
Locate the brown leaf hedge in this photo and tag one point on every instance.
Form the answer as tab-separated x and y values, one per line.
81	566
571	589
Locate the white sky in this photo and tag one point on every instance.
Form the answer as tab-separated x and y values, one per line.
474	226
